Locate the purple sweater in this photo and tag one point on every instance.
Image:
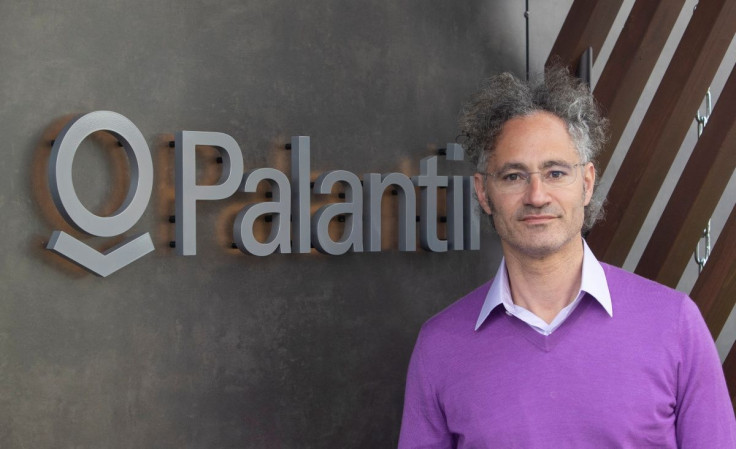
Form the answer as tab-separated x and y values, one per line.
648	377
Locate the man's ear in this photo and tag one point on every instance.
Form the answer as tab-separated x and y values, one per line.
588	181
480	192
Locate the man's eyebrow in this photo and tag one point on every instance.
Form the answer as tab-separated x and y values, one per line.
520	166
513	166
552	163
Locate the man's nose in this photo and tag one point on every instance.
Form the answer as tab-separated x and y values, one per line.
536	190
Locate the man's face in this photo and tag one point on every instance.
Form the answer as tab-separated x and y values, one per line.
541	219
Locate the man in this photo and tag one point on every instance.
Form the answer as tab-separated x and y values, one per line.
558	350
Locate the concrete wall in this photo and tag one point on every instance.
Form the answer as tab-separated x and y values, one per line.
221	349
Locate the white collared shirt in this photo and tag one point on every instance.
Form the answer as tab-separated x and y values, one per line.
593	282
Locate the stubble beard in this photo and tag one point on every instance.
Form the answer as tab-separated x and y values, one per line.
542	242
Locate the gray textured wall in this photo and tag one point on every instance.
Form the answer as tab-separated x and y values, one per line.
224	350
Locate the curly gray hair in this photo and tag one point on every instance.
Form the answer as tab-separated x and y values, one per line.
504	97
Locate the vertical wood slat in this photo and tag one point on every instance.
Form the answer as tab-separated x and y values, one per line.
715	290
664	127
586	25
729	369
632	60
696	195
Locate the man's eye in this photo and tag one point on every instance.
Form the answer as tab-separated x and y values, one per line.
512	177
556	174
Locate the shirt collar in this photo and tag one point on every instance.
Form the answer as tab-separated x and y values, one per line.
593	282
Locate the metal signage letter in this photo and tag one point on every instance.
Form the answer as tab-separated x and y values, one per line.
279	209
187	190
352	208
429	182
74	212
300	194
373	188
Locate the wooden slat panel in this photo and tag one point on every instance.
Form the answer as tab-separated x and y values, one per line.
586	25
715	290
664	127
729	369
696	195
631	63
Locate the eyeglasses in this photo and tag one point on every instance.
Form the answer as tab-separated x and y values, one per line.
513	180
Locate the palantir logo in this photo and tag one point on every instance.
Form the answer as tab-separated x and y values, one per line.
292	229
76	214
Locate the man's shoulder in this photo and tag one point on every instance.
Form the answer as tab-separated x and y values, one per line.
461	314
620	279
631	290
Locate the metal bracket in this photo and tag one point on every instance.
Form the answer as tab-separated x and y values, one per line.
702	121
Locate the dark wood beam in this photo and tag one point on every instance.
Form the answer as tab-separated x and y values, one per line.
696	194
586	25
729	369
715	290
691	70
631	63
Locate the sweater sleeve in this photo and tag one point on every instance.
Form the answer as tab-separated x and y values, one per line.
705	417
423	425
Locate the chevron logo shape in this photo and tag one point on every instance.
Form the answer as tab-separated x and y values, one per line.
101	264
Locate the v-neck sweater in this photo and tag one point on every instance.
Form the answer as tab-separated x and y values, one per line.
647	377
